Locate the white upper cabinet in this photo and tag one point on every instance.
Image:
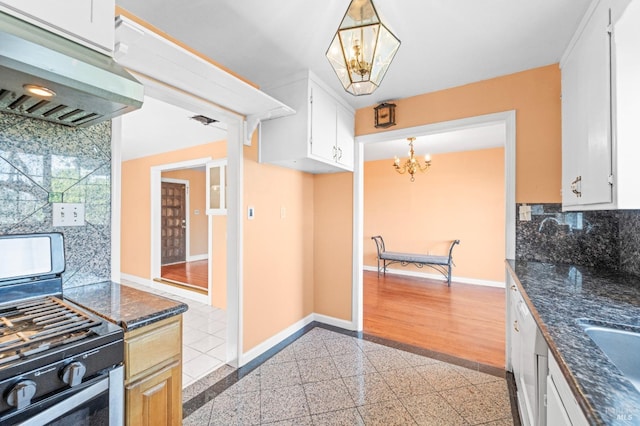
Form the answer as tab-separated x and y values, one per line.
319	138
87	22
598	69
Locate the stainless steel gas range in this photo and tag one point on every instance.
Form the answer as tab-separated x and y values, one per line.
59	365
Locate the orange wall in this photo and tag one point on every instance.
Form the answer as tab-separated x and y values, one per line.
198	239
135	254
219	265
460	197
534	94
278	251
333	244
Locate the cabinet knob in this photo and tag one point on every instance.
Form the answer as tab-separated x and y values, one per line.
576	186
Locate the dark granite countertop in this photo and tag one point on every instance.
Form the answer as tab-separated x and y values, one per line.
560	295
126	306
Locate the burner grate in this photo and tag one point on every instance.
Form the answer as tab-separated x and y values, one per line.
32	326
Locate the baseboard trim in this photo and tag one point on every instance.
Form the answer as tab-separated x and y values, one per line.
336	322
197	257
274	340
438	277
280	337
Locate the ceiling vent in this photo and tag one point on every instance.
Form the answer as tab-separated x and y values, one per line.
204	120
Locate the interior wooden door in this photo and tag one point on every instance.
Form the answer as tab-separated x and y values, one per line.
173	240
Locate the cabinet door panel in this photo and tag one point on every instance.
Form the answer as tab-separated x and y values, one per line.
586	114
573	132
595	181
556	413
344	136
323	124
156	400
89	21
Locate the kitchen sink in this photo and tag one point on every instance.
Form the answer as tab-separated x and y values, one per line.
621	346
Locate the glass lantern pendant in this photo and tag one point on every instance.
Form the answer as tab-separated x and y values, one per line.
362	49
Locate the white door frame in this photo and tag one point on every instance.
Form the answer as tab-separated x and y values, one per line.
156	230
235	137
508	118
187	220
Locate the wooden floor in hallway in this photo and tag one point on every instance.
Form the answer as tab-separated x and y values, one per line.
466	321
192	273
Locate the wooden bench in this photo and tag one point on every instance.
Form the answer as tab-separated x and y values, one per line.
441	264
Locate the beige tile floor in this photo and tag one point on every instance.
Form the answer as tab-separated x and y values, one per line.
203	337
327	378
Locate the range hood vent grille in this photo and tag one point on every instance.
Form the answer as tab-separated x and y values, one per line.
88	87
41	109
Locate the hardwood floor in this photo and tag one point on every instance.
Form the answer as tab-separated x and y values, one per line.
463	320
191	273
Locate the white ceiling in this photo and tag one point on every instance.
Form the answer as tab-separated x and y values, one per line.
159	127
445	43
468	139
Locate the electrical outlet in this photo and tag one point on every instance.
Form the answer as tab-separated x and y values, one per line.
68	214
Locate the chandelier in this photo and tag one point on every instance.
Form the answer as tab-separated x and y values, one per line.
412	165
362	49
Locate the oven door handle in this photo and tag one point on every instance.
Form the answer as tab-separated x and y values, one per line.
115	402
68	404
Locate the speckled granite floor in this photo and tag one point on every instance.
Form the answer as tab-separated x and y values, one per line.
328	378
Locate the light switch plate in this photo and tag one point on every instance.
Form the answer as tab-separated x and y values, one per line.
68	214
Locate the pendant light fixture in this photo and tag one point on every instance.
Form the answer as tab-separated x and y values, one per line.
362	49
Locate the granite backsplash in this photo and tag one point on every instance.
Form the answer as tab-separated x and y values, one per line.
608	238
42	163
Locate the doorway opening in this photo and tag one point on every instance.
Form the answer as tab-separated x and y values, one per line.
184	252
408	280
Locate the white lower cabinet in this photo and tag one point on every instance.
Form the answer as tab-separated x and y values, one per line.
562	407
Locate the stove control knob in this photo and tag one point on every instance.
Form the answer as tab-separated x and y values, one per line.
20	395
73	373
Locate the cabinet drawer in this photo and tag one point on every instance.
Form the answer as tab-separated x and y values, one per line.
152	346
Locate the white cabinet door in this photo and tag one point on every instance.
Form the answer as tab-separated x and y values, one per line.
323	124
586	114
514	333
319	138
596	188
344	136
89	22
562	407
556	414
573	132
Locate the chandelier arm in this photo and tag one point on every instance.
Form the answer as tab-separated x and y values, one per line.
425	167
401	170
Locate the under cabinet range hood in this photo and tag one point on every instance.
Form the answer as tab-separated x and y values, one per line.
78	86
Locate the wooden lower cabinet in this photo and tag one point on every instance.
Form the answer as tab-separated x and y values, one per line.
153	374
157	399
